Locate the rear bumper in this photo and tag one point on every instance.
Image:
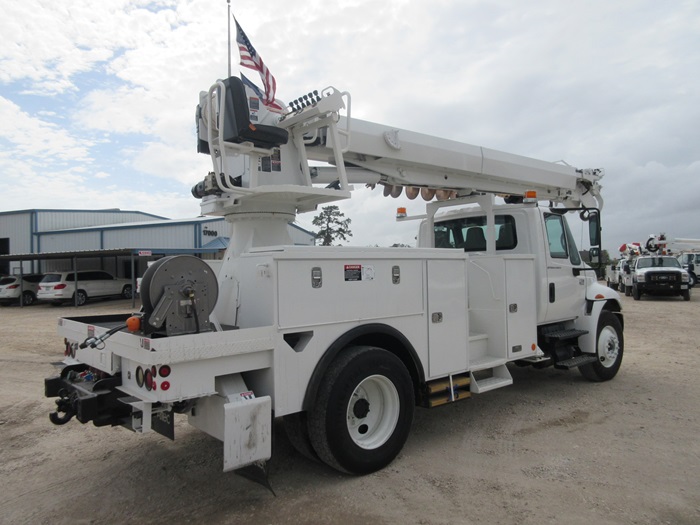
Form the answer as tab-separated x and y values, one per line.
86	397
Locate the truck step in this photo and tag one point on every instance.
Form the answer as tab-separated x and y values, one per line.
575	362
486	362
500	377
564	335
438	391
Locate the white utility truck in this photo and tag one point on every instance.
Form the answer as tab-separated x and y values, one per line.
343	343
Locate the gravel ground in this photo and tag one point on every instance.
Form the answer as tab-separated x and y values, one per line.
551	448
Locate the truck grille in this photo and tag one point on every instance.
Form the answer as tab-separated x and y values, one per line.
665	277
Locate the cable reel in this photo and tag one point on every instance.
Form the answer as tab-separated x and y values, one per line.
178	294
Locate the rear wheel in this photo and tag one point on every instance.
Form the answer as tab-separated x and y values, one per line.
27	298
82	298
127	292
363	411
609	349
297	430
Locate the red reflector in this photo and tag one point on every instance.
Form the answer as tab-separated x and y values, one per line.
153	371
155	385
59	286
165	385
13	286
164	371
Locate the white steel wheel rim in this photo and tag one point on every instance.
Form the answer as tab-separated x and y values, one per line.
373	412
608	346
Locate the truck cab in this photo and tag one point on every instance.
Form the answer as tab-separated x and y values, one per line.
562	279
689	261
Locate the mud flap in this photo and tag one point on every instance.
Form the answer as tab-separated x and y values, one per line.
247	432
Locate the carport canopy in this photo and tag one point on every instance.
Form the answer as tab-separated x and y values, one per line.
133	253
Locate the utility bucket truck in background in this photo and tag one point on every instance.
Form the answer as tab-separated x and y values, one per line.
343	343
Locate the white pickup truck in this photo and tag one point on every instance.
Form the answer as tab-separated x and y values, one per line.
658	275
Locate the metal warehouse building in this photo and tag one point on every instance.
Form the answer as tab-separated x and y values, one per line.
108	239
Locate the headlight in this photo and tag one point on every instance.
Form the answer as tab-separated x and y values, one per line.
685	277
641	278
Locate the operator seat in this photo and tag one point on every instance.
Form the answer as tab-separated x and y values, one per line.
505	238
475	241
237	125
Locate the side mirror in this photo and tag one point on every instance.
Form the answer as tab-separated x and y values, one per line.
691	267
594	255
626	268
594	227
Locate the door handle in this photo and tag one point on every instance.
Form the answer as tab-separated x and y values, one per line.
552	293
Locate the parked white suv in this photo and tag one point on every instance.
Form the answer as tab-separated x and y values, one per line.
11	289
59	287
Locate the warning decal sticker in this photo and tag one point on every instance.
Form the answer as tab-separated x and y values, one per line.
353	272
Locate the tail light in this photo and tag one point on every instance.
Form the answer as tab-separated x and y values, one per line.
59	286
13	287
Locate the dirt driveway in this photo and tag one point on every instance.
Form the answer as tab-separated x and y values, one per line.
551	448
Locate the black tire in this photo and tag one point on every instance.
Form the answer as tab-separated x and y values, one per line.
628	291
127	292
28	298
685	294
610	345
367	434
82	298
693	280
636	294
297	430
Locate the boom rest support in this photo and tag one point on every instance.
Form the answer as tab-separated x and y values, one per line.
237	125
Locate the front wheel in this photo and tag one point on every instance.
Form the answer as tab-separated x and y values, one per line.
609	349
127	292
686	295
636	294
363	411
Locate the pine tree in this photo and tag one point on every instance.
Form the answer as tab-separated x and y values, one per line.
332	225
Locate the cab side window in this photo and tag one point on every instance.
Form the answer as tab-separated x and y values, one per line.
561	242
556	236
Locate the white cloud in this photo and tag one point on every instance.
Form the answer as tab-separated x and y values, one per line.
38	139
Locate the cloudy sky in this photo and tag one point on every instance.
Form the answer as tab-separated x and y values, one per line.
97	99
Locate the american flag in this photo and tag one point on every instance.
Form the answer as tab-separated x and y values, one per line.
251	59
255	89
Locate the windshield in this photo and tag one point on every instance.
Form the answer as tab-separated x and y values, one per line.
658	262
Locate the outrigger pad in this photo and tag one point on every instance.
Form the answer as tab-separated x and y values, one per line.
237	125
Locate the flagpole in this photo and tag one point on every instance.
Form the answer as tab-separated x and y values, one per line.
229	37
